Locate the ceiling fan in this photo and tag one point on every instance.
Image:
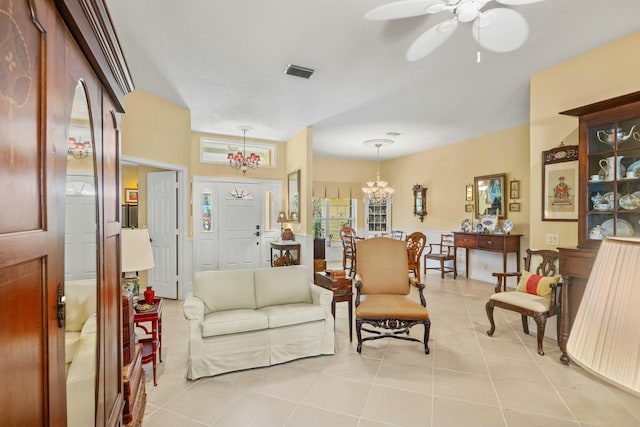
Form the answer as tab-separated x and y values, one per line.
499	29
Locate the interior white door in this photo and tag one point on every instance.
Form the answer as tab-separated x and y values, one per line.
80	228
239	227
162	220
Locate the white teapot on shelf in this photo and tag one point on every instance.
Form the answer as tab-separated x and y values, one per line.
607	166
597	233
609	136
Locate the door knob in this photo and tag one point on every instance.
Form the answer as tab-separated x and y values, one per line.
257	233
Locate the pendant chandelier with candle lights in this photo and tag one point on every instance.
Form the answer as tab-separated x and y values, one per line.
377	192
240	160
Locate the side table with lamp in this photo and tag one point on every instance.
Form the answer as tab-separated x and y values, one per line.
136	256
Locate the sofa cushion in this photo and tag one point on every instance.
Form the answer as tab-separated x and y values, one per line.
293	314
225	290
523	299
535	284
80	302
71	340
282	285
233	321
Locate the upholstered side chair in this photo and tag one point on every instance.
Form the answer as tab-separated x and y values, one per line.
536	295
383	289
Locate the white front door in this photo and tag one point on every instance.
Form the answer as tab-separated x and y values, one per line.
163	230
239	226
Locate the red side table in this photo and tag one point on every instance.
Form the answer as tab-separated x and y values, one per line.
152	343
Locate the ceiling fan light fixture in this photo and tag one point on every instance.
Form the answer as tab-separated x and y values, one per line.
507	31
467	12
436	7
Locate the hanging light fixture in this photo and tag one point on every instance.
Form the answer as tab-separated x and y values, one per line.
77	149
240	160
377	192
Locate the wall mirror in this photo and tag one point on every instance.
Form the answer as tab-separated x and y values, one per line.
419	201
490	195
293	183
80	265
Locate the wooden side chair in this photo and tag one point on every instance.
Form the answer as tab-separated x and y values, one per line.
415	245
348	238
382	293
442	252
536	295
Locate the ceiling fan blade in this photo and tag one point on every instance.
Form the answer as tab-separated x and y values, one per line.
401	9
517	2
500	30
431	39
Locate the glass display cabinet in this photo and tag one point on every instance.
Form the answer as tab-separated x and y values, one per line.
377	218
609	169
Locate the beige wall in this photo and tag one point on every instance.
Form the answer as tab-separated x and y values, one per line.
299	155
447	170
155	129
603	73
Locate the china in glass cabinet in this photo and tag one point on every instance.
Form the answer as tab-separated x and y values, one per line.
377	218
609	169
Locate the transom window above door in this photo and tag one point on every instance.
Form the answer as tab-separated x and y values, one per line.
215	150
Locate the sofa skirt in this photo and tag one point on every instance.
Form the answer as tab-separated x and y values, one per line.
301	340
227	353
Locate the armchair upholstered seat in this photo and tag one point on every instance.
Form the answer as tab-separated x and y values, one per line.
383	292
536	294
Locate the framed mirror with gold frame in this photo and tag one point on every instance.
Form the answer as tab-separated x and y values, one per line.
490	196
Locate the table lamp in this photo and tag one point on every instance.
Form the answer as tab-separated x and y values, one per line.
282	218
605	338
136	256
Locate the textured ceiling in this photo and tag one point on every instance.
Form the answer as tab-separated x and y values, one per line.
224	61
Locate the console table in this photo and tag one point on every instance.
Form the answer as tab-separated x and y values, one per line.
284	256
501	243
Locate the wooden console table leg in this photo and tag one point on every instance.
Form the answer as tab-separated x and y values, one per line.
466	260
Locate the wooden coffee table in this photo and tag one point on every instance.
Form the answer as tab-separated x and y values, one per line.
342	291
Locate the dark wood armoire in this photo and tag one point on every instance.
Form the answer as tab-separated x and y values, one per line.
46	48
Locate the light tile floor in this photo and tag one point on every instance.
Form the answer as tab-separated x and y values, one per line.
469	379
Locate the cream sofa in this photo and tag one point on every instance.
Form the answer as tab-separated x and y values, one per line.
240	319
80	351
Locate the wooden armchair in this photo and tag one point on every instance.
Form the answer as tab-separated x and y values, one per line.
348	238
442	252
415	245
536	295
382	292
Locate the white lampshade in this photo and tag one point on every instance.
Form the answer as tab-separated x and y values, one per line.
605	337
136	250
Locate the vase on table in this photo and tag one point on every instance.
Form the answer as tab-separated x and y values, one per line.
149	294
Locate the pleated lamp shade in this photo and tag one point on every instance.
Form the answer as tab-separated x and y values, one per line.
136	250
605	336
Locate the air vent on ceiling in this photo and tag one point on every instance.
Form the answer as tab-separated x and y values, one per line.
296	70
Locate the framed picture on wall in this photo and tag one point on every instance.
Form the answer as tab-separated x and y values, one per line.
131	195
560	184
514	189
469	194
514	207
468	208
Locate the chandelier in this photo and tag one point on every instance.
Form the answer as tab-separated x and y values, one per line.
78	150
377	192
240	160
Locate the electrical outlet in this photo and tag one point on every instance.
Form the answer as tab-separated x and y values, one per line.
552	239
